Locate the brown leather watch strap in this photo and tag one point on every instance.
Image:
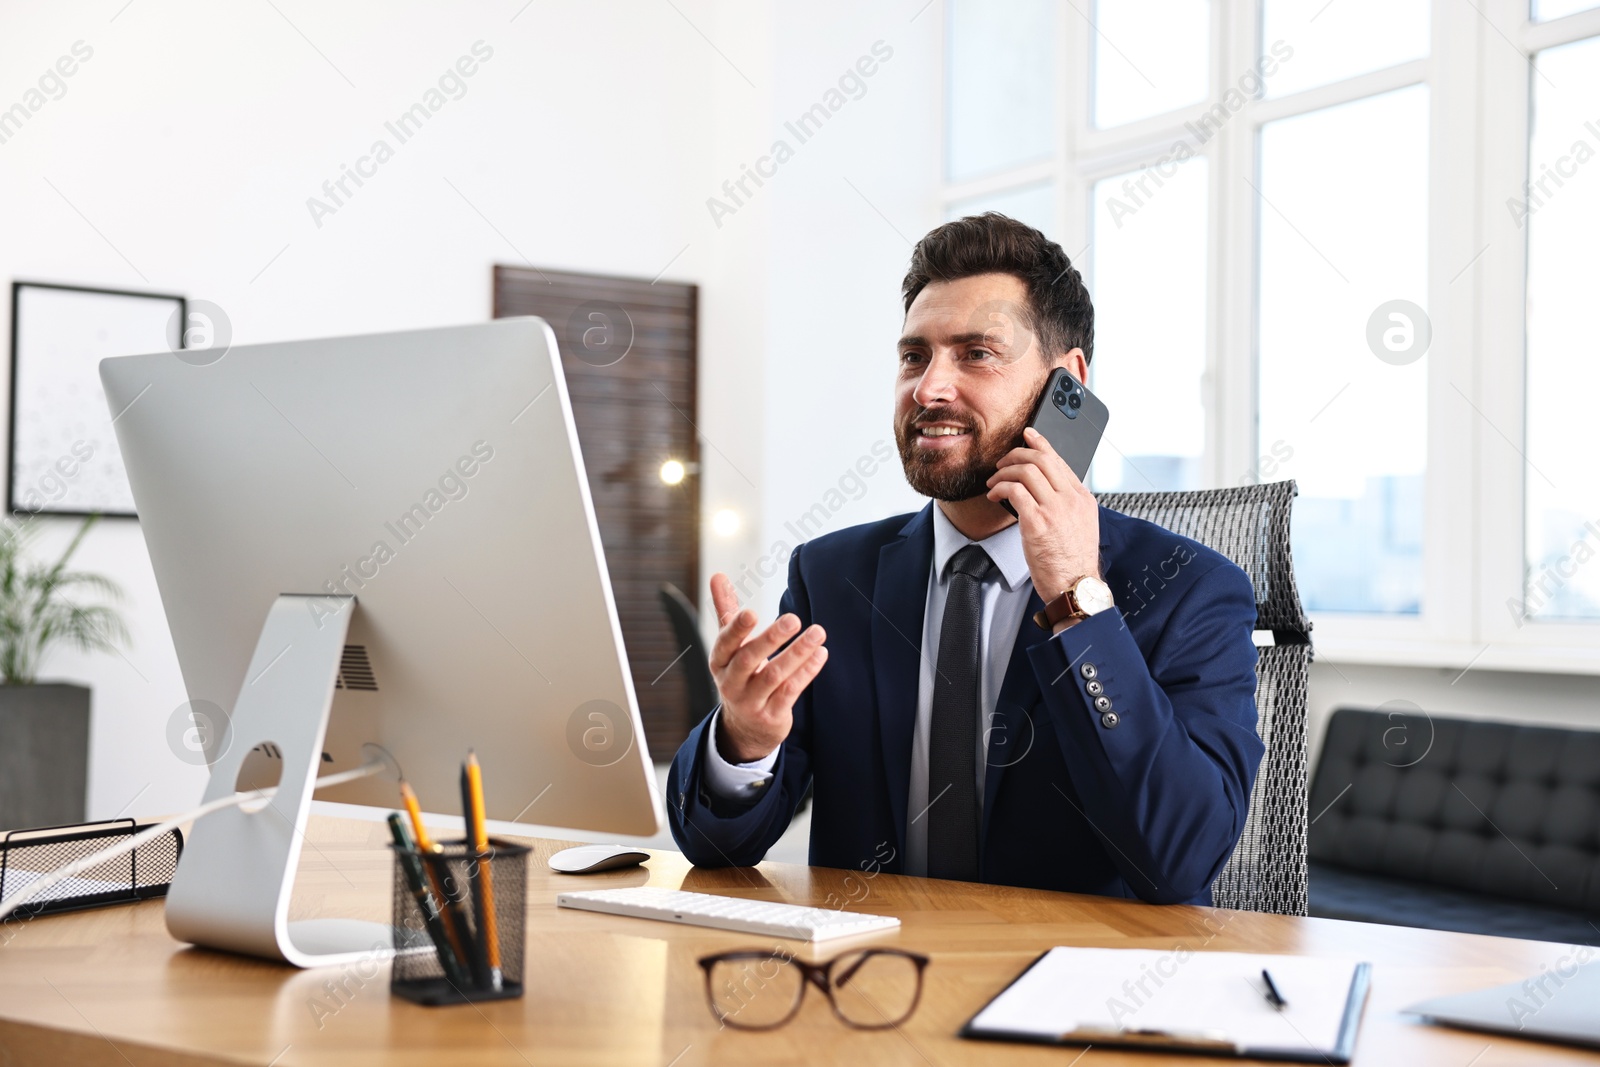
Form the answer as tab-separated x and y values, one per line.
1058	610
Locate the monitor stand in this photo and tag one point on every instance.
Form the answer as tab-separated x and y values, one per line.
232	887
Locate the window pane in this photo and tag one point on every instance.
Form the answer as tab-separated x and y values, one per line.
1149	286
1545	10
1343	370
1338	39
1149	58
1562	213
1033	204
1000	89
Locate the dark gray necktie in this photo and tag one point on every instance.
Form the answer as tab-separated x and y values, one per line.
953	736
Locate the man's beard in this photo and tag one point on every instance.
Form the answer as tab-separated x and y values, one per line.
946	477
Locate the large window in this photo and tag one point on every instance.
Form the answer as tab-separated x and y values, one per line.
1336	41
1561	211
1149	280
1001	101
1343	227
1146	66
1349	244
1033	204
1553	9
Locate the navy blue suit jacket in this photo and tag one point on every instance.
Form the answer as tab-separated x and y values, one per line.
1149	807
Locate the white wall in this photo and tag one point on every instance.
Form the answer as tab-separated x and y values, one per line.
818	376
182	155
194	135
864	188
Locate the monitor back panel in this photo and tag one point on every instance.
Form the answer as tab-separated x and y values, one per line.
435	476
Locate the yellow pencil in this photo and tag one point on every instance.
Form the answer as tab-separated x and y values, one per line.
480	844
425	844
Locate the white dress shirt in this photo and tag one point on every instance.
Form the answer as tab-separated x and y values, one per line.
1003	604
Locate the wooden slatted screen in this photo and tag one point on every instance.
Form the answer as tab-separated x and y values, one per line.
628	349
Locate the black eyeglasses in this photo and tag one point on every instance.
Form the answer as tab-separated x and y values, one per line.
870	989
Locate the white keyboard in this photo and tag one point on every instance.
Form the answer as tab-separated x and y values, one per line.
728	913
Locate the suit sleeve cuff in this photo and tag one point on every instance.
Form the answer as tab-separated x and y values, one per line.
1097	674
735	781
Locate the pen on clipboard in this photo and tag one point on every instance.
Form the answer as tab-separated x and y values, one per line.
1274	997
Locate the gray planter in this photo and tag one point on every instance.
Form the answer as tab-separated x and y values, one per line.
44	754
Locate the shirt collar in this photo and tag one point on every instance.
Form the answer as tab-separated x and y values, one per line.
1004	548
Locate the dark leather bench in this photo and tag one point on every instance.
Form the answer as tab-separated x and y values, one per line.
1457	824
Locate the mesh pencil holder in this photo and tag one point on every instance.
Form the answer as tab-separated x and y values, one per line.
460	937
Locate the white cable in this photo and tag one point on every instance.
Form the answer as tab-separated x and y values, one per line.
366	770
39	885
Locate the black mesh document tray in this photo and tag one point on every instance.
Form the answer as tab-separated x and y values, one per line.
138	875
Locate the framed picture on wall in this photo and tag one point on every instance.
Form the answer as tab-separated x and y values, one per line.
64	455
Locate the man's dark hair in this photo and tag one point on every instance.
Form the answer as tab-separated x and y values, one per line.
1061	315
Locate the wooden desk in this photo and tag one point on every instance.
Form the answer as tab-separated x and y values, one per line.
110	987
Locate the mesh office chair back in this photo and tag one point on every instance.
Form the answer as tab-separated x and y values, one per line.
685	621
1250	525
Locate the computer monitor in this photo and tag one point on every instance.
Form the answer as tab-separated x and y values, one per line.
377	546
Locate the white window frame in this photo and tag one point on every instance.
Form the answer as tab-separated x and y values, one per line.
1477	73
1572	647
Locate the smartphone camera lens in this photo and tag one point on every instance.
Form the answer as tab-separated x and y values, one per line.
1060	398
1075	400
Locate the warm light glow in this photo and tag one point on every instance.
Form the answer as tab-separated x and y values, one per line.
725	523
672	472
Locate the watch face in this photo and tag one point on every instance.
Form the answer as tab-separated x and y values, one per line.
1093	595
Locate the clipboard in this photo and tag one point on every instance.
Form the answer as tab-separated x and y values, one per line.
1181	1000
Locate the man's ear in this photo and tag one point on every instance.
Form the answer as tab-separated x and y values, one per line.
1076	365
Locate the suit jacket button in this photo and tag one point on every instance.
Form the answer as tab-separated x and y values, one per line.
1094	689
1087	670
1109	720
1103	704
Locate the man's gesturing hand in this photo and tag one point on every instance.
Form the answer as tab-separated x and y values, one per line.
1059	516
758	693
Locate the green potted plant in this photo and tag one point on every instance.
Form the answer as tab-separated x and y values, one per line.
44	726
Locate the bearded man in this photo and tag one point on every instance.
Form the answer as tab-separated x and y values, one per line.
1061	697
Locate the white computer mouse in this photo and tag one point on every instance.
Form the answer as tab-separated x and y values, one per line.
591	859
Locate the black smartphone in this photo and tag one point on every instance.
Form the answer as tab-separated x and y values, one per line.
1072	419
